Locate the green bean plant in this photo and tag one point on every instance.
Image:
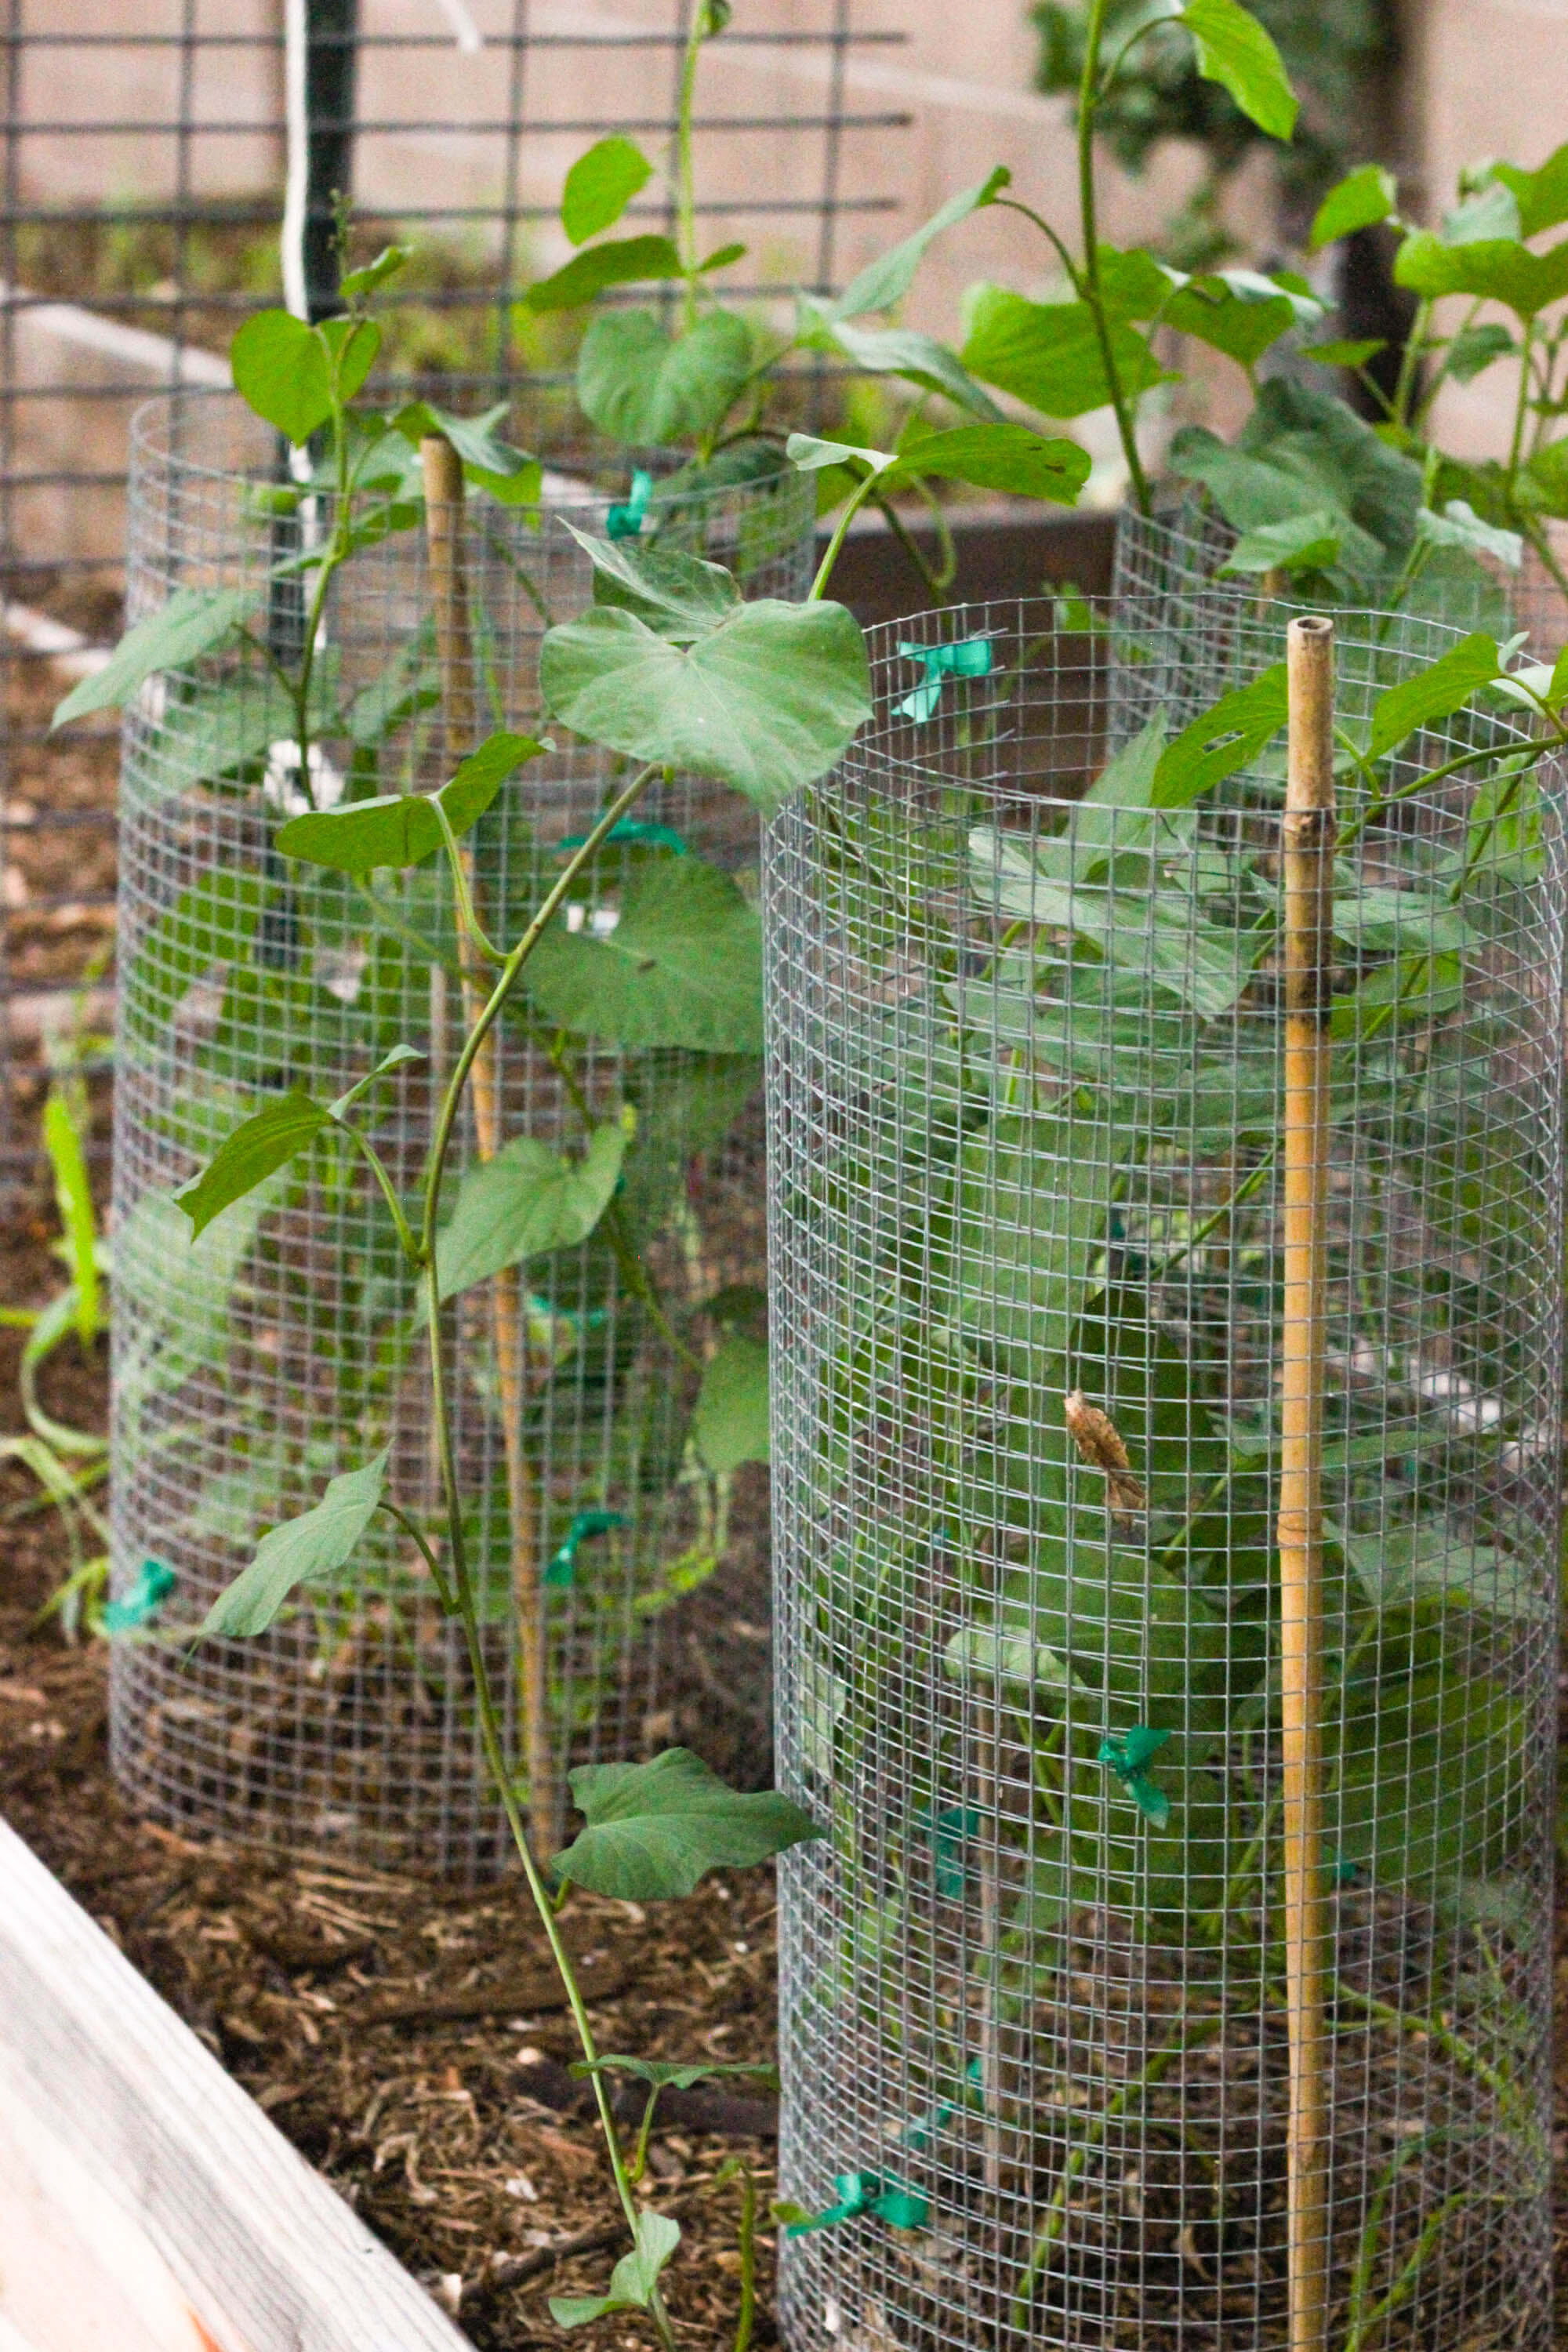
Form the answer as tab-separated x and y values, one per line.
669	672
258	701
1489	296
711	382
1060	1143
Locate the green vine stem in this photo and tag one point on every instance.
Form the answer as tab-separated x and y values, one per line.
1184	2037
1089	94
462	1590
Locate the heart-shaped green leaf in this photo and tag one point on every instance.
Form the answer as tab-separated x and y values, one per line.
646	387
1496	269
730	1424
766	703
601	185
526	1201
1541	195
1304	542
668	2074
284	370
655	1830
633	2280
1360	201
400	828
1435	692
683	966
1048	353
1235	50
190	624
1001	458
1222	740
313	1545
256	1149
623	261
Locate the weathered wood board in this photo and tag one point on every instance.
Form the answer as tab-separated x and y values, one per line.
146	2203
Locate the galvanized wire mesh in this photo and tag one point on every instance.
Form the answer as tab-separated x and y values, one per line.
284	1346
1025	1106
1176	556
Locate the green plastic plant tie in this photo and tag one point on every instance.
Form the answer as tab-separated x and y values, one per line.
561	1569
969	657
1127	1758
632	831
155	1579
954	1826
548	1312
869	2192
1341	1869
626	521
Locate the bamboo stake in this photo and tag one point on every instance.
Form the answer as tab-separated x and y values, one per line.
444	534
1309	832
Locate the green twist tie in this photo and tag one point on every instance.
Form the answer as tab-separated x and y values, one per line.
561	1570
1127	1758
548	1312
1341	1869
632	830
867	2192
627	521
970	657
954	1826
155	1579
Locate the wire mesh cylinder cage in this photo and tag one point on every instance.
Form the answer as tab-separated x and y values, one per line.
1181	554
1025	1101
285	1346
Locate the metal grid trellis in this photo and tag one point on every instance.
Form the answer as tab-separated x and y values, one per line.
143	186
1023	1103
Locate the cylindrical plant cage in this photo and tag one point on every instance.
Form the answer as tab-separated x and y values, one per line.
285	1346
1178	557
1027	1233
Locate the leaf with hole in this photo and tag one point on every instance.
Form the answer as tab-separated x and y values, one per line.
730	1424
767	702
524	1203
192	621
601	185
647	387
400	828
1222	739
654	1829
307	1550
682	967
